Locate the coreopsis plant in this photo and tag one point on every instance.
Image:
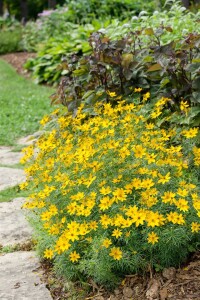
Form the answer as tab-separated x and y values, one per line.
112	192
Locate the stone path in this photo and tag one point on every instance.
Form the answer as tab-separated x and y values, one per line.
19	271
14	227
10	177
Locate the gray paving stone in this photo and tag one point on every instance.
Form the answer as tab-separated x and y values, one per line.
7	157
20	277
30	139
14	228
10	177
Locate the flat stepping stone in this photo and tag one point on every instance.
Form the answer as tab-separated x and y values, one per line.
20	277
7	157
29	139
14	227
10	177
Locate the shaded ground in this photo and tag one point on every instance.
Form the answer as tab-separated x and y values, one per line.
17	60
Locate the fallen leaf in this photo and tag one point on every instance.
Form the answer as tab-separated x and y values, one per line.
152	292
163	293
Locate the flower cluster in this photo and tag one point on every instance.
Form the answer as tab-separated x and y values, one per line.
115	185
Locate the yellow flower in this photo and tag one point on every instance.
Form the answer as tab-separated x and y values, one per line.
146	96
150	126
164	178
23	185
152	238
105	221
168	197
93	225
137	90
111	94
106	243
184	106
147	183
139	218
120	194
182	204
139	151
48	253
182	192
116	253
117	233
105	190
44	120
175	218
156	113
74	256
190	133
153	219
105	203
195	227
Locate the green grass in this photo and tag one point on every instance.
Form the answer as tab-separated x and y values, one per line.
11	193
22	103
14	166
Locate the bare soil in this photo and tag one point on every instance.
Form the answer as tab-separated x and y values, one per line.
17	60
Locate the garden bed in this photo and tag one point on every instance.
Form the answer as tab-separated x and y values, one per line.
17	60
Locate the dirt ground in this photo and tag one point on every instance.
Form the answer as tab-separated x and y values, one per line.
17	60
170	284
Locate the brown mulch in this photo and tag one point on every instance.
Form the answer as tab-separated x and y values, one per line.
170	284
17	60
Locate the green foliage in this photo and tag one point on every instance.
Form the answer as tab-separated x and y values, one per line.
8	23
22	105
177	23
138	60
11	35
10	41
45	66
9	194
83	11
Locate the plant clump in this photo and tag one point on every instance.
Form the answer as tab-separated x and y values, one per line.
112	193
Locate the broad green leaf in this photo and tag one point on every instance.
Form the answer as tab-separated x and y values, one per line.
155	67
127	59
149	31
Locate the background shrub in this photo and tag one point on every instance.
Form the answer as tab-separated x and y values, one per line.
139	60
84	11
11	35
178	21
10	41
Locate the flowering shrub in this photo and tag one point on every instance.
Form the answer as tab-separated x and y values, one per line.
113	193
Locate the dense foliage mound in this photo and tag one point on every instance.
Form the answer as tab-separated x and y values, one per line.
138	60
113	193
63	38
83	11
11	35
